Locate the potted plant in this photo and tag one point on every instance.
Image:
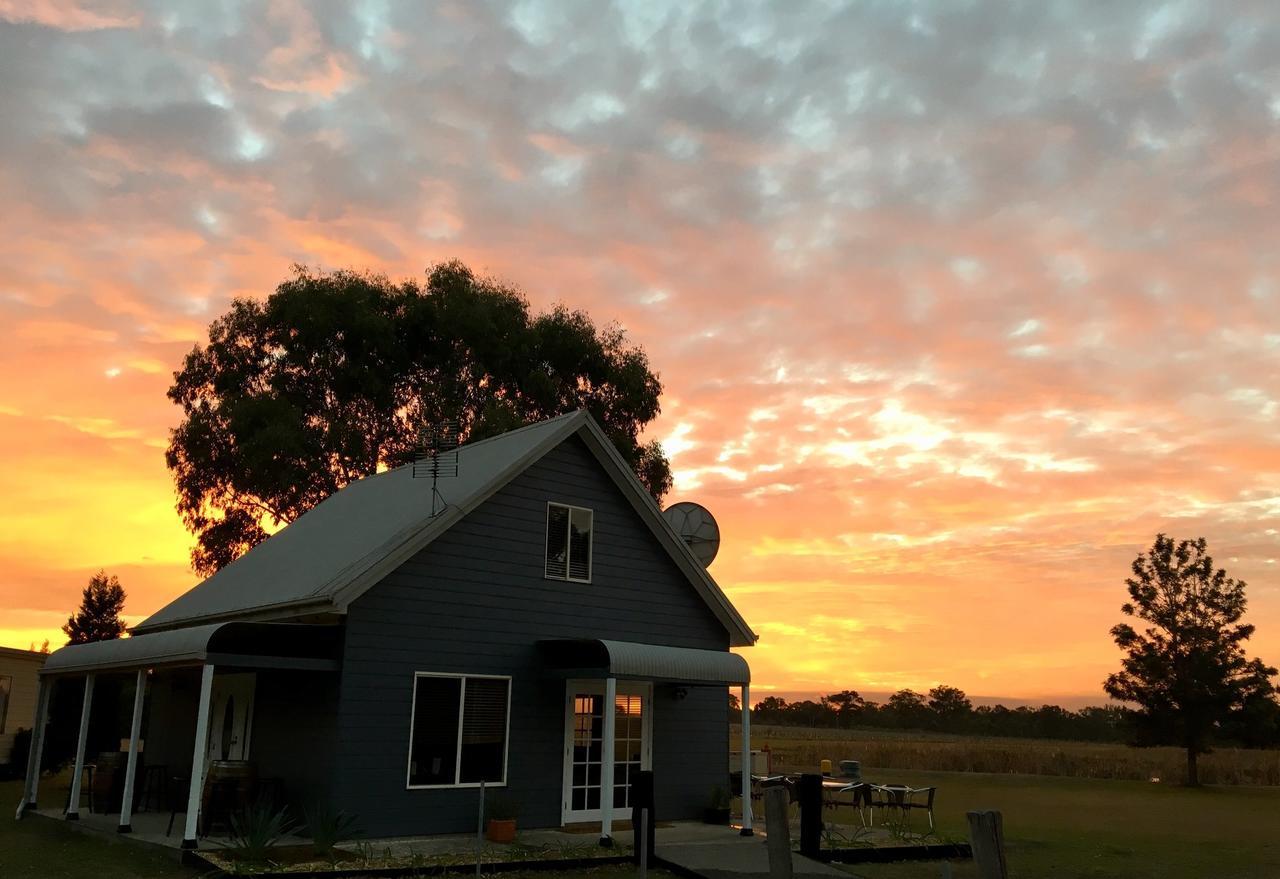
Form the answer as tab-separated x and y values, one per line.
717	810
500	813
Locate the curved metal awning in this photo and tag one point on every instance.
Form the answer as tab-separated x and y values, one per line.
257	645
649	662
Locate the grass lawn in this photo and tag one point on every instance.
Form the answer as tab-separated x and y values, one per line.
1072	828
35	848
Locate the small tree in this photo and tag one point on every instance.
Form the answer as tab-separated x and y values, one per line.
98	618
1187	670
950	705
848	706
909	708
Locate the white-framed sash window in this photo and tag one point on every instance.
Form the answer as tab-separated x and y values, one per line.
459	730
569	550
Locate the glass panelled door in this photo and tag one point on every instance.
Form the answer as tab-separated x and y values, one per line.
584	746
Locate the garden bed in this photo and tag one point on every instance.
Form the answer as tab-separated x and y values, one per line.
300	861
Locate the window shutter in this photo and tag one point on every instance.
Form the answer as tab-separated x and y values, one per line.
580	545
484	716
557	565
484	731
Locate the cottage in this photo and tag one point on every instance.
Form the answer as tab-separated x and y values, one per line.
546	633
19	672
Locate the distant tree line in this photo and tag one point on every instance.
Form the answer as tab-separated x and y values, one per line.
947	709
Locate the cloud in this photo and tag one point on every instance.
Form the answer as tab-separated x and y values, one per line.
955	304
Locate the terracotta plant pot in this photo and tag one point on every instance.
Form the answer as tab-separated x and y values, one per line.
501	830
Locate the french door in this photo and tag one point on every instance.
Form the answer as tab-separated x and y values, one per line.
231	716
584	757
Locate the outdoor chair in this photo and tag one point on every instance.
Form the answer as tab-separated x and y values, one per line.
859	797
758	787
889	798
920	798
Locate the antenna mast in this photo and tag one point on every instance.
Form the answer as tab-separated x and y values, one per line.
437	457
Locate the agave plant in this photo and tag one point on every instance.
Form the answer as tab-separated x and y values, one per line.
256	828
328	827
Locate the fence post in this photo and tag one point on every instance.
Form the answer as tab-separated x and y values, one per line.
777	828
641	834
480	832
809	792
642	827
986	835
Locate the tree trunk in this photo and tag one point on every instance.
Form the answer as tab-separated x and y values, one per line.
1193	777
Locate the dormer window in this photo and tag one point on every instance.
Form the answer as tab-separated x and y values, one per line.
568	543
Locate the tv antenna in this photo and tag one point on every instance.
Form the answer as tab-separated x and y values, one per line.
437	457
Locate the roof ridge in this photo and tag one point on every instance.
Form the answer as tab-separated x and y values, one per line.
543	423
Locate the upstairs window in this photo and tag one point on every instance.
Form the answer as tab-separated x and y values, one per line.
568	543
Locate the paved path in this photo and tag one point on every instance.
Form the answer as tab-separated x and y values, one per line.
736	857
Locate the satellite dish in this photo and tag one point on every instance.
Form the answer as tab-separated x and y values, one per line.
696	527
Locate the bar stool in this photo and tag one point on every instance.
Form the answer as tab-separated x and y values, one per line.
86	789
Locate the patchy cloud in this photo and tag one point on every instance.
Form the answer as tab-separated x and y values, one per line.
956	304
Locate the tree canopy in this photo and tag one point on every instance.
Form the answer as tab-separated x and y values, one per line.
98	617
1187	670
333	376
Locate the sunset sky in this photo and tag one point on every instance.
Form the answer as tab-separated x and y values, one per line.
956	304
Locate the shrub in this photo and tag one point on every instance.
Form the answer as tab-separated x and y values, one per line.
328	827
256	828
500	807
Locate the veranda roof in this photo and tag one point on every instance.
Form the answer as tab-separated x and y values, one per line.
256	645
649	662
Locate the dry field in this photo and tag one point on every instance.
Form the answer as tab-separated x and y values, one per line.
799	749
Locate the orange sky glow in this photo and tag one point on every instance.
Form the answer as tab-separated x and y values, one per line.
954	310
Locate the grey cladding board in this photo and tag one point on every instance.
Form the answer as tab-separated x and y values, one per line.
476	601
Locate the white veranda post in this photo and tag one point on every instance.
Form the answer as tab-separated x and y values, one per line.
30	790
197	759
73	807
746	761
607	761
131	768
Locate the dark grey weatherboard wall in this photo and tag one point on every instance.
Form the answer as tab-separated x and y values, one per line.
475	601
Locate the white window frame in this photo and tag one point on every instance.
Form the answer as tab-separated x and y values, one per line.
591	553
457	760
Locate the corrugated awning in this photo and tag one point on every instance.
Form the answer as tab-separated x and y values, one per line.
649	662
256	645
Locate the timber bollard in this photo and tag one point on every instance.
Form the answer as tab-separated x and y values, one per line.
643	832
986	835
809	793
777	827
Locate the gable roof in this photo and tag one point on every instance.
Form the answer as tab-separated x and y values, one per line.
335	552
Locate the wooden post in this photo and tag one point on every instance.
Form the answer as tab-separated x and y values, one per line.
777	827
809	792
189	836
73	807
986	835
747	822
607	761
31	787
131	768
